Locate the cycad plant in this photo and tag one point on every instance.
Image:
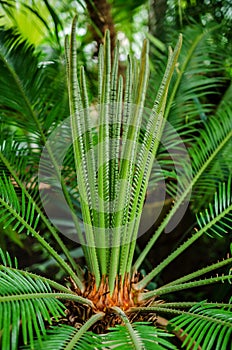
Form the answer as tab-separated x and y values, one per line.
104	168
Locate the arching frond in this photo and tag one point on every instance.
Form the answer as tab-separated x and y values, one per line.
205	152
59	337
15	211
222	201
191	106
199	74
25	304
16	150
216	220
28	304
69	338
206	326
19	212
220	168
29	96
147	337
138	335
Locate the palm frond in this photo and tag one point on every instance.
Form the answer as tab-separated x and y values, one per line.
206	150
28	304
200	272
69	338
17	150
19	161
222	199
217	220
215	137
199	74
29	96
25	304
147	337
220	168
206	326
19	211
191	107
59	337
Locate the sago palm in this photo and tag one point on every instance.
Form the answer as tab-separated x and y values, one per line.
104	168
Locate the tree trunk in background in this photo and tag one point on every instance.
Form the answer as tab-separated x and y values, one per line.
101	19
157	14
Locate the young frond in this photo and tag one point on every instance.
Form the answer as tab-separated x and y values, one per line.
206	326
27	304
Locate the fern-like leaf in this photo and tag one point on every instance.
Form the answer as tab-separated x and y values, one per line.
26	304
222	202
205	326
70	338
148	337
216	220
29	95
215	137
58	338
15	210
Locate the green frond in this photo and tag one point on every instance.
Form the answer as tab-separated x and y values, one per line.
217	220
6	261
222	201
190	108
24	306
206	326
16	211
20	211
69	338
23	93
220	168
59	337
199	74
176	308
147	337
16	99
171	288
34	98
215	137
206	151
84	168
201	272
127	177
17	150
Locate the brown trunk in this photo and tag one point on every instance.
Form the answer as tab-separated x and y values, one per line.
157	14
101	19
124	296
